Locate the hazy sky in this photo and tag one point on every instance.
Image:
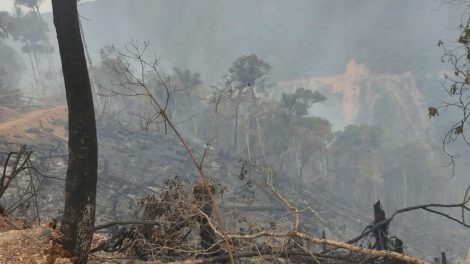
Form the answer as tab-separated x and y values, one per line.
5	5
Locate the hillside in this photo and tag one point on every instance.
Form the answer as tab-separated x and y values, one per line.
40	126
133	165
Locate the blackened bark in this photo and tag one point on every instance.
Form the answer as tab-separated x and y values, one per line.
381	233
206	233
80	185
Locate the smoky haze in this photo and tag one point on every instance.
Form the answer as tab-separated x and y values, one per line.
299	38
338	107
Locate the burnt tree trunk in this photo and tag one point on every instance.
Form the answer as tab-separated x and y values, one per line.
80	185
206	233
381	233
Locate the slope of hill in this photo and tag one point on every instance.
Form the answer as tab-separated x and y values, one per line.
39	126
133	165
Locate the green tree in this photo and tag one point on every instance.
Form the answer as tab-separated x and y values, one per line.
244	73
32	31
297	144
355	158
301	100
10	65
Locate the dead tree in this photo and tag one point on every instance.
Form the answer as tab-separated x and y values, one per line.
206	233
137	85
381	233
15	163
80	185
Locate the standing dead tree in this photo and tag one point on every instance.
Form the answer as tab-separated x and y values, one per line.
15	163
456	84
20	183
434	208
137	84
81	180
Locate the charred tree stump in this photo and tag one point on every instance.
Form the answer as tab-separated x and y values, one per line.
381	233
443	259
382	240
206	233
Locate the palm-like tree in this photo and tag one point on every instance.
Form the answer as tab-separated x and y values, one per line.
244	73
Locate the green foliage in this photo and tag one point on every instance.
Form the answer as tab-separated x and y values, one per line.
247	69
301	100
313	133
284	132
355	153
359	137
10	65
31	30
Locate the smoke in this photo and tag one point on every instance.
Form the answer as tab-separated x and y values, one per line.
11	65
308	43
301	38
